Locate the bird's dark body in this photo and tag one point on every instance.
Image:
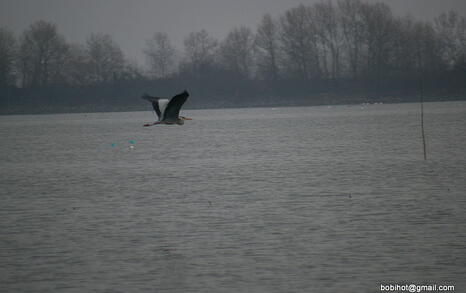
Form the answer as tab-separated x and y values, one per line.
168	111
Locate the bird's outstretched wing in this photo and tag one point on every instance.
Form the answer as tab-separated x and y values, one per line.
172	111
159	104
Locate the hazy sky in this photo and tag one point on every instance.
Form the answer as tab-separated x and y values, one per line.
132	22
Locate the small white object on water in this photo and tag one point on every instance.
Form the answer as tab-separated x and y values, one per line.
131	147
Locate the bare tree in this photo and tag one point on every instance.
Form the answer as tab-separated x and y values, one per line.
299	43
42	51
105	57
160	53
451	29
268	48
326	20
379	29
404	62
236	51
200	51
77	69
7	57
428	48
353	34
411	37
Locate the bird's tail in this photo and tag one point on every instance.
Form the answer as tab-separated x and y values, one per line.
150	98
146	97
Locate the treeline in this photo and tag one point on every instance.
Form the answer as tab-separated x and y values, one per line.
328	52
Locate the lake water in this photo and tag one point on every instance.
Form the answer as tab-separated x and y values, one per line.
310	199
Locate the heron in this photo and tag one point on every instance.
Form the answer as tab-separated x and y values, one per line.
168	111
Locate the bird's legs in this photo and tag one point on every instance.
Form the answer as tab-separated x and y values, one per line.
151	124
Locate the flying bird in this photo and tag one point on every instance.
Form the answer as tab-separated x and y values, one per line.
168	111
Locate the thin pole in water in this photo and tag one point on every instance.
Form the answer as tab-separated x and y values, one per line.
422	116
421	69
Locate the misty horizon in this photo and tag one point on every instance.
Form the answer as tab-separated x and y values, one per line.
324	53
132	24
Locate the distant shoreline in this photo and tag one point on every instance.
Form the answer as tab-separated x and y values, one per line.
322	100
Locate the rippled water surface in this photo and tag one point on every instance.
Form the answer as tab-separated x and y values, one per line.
311	199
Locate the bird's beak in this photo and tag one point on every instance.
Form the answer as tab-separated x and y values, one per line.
186	118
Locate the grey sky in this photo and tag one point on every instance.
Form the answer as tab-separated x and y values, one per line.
131	22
